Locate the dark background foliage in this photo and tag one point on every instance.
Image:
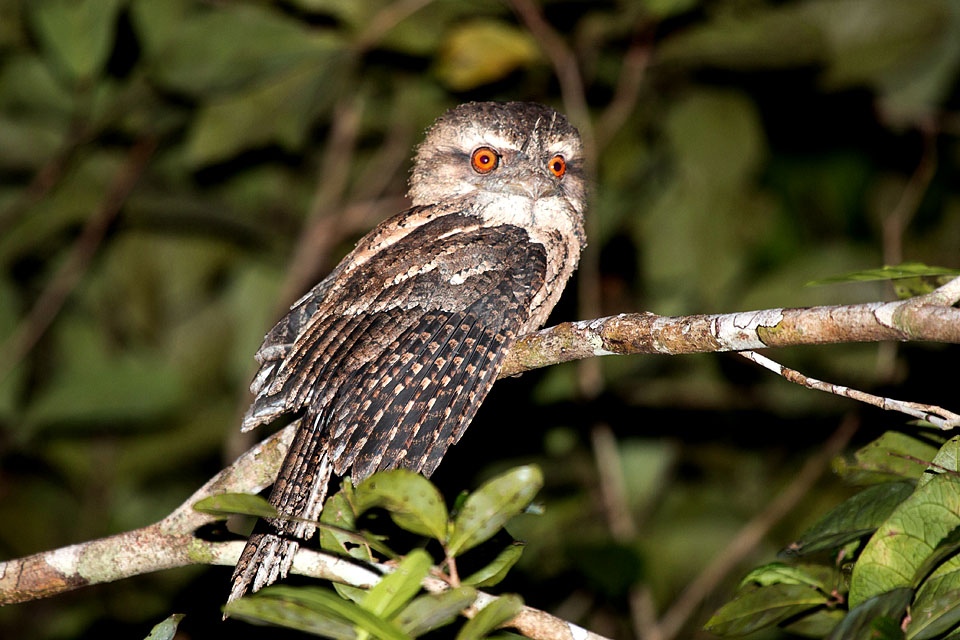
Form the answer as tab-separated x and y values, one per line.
173	174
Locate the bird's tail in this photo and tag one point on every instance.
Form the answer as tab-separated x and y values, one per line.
266	558
298	496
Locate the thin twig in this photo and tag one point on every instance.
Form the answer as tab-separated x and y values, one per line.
935	415
620	520
612	484
386	19
315	243
625	93
565	67
46	177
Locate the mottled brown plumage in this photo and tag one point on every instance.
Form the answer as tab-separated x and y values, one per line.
389	357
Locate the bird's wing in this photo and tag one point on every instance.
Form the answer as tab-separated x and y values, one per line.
392	363
389	361
275	347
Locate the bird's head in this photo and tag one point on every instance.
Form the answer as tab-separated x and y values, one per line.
514	148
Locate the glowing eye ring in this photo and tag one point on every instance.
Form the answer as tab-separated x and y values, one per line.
557	166
484	159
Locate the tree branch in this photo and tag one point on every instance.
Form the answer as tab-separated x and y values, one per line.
163	545
924	318
172	541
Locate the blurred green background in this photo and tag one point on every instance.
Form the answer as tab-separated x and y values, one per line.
174	174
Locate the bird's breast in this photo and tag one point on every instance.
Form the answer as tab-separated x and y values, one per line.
551	222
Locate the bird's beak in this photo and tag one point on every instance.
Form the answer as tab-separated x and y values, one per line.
534	185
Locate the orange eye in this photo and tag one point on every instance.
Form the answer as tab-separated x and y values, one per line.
557	166
484	160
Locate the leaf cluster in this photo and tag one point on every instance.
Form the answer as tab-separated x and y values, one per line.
882	564
394	607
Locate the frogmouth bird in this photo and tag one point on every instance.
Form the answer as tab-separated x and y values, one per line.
389	357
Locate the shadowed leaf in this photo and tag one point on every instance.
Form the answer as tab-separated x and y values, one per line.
855	518
434	610
936	607
875	619
324	604
763	607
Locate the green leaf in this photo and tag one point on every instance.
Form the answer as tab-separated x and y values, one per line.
875	619
396	589
896	272
898	39
666	8
275	112
947	460
220	51
29	87
27	142
96	386
340	536
413	502
817	576
167	629
612	568
328	604
818	624
891	457
483	51
854	518
338	512
487	510
936	607
707	118
492	616
291	615
157	22
434	610
904	542
763	38
497	570
78	34
946	549
228	504
71	201
762	607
